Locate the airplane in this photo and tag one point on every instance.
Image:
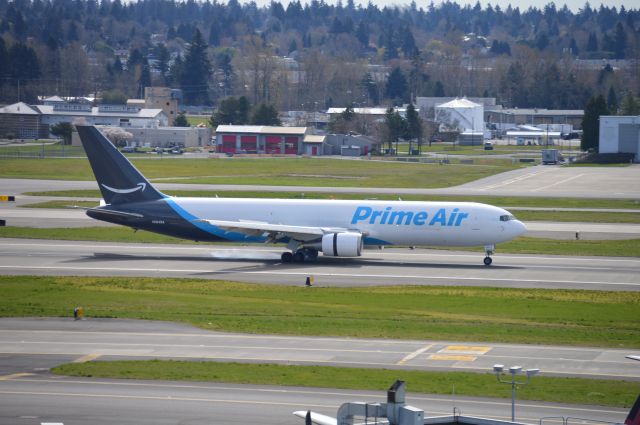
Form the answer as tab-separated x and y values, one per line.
335	228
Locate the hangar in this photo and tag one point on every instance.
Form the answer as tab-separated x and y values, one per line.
620	134
260	139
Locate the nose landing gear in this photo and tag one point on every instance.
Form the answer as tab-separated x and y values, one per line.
488	250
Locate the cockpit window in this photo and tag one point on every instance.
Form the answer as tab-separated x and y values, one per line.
507	217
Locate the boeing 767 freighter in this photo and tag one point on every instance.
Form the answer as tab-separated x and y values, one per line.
335	228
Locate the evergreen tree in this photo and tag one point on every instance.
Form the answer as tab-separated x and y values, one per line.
620	41
64	130
612	101
265	115
630	106
232	111
414	126
4	61
181	120
395	128
397	87
596	106
592	43
194	78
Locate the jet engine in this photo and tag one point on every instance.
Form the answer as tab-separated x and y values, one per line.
345	244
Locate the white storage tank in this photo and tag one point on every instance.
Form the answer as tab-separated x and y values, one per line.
461	115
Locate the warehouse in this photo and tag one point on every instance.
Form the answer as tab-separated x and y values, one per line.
620	134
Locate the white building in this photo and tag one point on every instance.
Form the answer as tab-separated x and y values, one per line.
112	115
620	134
461	115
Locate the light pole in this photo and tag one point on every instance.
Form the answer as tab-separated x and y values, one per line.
514	370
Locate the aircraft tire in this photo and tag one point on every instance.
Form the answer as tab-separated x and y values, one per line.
487	261
298	257
286	257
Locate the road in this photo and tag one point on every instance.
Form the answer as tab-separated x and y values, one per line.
262	265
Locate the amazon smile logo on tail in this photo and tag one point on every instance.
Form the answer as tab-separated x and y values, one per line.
140	186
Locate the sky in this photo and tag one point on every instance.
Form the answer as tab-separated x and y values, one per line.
574	5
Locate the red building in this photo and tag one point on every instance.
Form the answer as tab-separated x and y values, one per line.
258	139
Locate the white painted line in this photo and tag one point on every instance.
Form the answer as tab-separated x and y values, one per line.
413	355
306	273
557	183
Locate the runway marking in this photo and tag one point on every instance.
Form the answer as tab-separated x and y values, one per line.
372	253
311	391
557	183
413	355
14	376
306	273
467	349
89	357
452	357
85	358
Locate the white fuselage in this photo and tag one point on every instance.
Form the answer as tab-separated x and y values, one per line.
381	222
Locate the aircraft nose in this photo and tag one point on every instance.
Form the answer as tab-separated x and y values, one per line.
521	228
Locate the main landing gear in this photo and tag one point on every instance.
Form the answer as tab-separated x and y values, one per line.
488	250
299	256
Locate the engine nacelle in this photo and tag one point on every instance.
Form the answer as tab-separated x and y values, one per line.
345	244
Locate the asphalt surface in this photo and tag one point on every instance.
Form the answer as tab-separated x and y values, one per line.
31	395
43	399
538	181
118	339
262	265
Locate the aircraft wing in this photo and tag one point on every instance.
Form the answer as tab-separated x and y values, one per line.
320	419
274	231
315	418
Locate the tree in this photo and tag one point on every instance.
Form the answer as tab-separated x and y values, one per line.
596	106
612	100
265	115
232	111
395	128
397	87
63	130
630	105
414	126
181	120
196	69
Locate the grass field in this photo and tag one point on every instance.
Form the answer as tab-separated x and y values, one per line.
542	388
267	171
533	316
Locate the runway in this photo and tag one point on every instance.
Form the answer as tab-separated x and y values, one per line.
118	339
72	401
31	395
257	264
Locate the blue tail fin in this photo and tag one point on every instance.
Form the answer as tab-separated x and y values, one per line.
119	181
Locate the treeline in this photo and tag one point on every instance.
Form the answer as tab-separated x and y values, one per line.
315	55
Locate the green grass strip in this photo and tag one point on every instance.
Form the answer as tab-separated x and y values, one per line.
269	171
605	392
534	316
521	245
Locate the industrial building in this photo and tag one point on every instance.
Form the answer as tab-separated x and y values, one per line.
22	121
258	139
505	118
620	134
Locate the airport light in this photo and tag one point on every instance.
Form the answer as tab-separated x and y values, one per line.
498	369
